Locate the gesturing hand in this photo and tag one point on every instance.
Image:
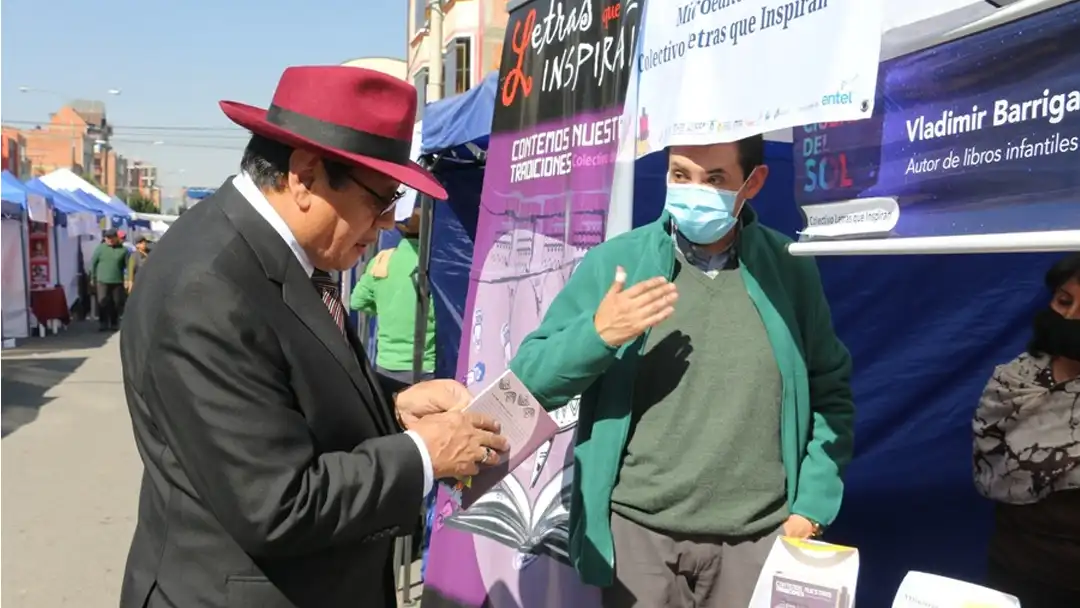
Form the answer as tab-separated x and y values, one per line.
625	314
431	397
459	442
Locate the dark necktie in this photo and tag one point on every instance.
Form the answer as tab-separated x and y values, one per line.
331	297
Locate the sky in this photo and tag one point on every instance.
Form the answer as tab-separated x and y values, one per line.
173	62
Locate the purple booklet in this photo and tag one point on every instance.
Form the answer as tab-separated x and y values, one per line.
525	425
793	593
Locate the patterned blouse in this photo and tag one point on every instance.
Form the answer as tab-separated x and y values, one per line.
1027	433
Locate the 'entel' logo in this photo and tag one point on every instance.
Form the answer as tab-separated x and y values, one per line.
836	99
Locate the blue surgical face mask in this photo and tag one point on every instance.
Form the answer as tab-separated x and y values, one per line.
702	214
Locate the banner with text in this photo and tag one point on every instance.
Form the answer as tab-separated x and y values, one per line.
720	70
977	136
545	201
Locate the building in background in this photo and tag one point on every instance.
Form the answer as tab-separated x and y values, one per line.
397	68
64	142
103	171
13	146
472	43
77	137
120	176
142	180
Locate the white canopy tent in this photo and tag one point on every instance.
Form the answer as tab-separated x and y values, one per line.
159	223
65	179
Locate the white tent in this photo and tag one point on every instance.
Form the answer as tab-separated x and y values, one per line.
159	223
13	269
64	179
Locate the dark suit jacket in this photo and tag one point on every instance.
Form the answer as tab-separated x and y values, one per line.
275	472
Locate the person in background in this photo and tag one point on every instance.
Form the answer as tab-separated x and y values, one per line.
136	261
387	290
1027	454
107	267
122	235
716	410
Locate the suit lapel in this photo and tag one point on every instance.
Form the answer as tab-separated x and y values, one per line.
302	298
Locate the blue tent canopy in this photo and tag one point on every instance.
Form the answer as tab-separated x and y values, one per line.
121	207
13	194
114	207
460	125
12	189
92	202
199	194
62	202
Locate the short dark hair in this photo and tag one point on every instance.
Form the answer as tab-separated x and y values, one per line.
267	162
1063	271
751	154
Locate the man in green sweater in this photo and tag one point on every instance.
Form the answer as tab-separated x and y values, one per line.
107	275
387	289
716	410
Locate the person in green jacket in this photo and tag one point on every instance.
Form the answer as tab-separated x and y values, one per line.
387	289
715	403
107	267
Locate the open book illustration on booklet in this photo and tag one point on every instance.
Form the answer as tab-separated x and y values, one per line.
525	425
533	528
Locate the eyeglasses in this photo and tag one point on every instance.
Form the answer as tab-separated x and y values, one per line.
386	204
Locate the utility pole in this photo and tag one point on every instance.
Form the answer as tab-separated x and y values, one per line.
435	51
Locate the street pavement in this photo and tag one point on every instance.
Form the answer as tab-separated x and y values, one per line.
70	472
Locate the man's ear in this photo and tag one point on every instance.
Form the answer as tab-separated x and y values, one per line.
300	181
756	181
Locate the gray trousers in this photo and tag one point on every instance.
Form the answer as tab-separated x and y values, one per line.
656	570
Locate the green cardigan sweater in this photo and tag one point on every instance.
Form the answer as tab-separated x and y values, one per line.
565	358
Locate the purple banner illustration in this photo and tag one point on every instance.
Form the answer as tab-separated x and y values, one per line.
545	200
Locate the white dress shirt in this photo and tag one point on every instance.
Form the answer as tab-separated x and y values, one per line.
247	188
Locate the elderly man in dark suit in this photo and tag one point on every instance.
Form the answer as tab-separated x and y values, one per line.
278	466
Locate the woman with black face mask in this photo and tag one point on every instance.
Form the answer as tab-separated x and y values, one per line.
1027	455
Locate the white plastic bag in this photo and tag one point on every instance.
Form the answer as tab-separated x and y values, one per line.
920	589
807	574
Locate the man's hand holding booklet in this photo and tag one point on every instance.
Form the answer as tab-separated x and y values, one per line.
524	424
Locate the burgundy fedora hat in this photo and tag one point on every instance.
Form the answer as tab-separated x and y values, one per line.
351	115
